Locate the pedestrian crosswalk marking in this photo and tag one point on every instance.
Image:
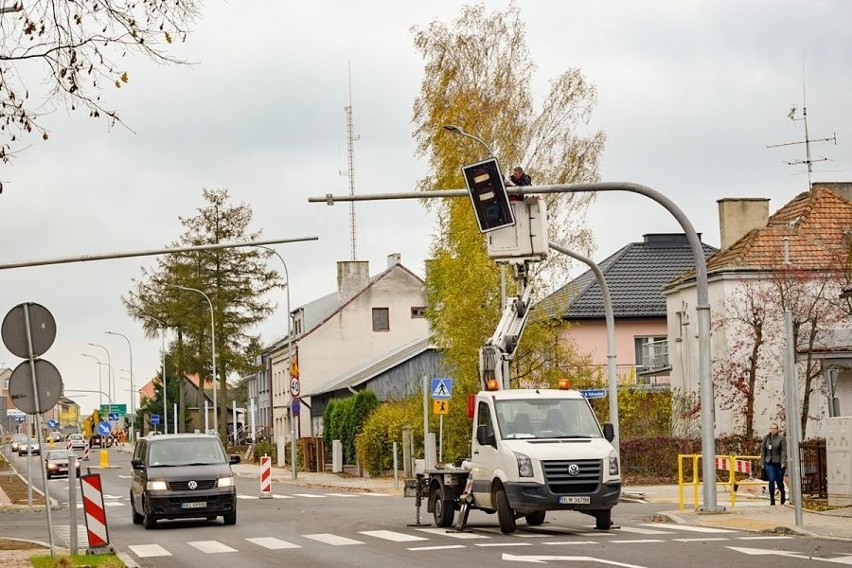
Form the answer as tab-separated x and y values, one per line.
689	528
239	496
445	547
272	543
640	530
453	534
637	541
765	537
573	542
277	496
705	539
484	544
211	546
148	550
393	536
332	539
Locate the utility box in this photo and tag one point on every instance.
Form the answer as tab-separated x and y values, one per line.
527	238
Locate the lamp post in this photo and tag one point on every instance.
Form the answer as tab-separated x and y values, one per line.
162	370
289	359
132	395
101	399
110	375
213	353
460	131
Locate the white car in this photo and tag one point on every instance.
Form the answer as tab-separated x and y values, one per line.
78	442
32	448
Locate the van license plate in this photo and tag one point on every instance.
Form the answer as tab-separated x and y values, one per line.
194	505
575	500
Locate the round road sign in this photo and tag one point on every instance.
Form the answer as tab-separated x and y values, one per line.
295	388
42	330
48	386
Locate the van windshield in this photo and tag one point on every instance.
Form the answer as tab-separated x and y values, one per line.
191	451
531	419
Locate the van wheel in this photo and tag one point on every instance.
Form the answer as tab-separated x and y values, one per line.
137	518
442	513
535	519
505	514
603	519
230	518
148	520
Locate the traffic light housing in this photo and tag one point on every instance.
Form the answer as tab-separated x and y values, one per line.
488	194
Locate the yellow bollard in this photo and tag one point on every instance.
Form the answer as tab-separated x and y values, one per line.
104	458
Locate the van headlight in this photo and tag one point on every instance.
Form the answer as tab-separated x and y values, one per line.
525	468
226	482
613	463
156	486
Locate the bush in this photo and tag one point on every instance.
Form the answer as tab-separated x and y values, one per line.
343	420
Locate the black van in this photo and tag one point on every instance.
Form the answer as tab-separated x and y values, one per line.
179	476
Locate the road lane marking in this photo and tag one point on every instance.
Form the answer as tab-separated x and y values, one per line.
148	550
309	495
483	544
637	541
689	528
211	546
393	536
343	494
374	494
277	496
272	543
640	530
332	539
453	534
705	539
445	547
573	542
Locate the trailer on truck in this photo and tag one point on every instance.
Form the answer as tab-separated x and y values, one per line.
532	450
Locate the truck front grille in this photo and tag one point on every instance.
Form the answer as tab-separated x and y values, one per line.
558	476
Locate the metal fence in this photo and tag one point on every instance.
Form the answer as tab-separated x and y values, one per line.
814	467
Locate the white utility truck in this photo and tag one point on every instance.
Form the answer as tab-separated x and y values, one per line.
532	450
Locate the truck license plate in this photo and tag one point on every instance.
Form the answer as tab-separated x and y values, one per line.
575	500
194	505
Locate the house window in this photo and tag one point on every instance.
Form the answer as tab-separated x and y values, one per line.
645	348
418	312
381	319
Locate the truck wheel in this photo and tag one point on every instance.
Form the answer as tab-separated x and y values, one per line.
535	519
441	512
603	520
505	514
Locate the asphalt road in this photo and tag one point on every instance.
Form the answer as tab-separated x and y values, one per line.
322	527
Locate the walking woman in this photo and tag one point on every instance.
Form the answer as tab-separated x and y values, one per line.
773	455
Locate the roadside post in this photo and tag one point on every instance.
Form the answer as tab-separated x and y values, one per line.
266	477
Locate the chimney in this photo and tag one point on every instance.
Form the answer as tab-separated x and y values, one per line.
394	258
738	216
352	277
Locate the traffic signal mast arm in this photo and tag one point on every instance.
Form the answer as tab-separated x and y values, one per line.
495	355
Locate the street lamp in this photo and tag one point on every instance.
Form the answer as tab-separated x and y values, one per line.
213	352
101	399
110	376
289	359
460	131
132	396
163	370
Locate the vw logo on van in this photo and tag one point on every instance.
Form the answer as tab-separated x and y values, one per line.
573	469
194	484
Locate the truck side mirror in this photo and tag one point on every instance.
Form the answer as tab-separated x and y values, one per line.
609	431
485	436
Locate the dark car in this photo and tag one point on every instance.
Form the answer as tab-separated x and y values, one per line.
56	463
179	476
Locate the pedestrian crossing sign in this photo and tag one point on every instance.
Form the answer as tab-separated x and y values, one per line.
440	406
442	388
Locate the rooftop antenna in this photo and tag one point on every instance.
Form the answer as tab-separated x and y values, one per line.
351	139
809	161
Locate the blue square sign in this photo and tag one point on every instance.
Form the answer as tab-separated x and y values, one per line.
442	389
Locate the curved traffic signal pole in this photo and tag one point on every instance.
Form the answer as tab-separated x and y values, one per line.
708	409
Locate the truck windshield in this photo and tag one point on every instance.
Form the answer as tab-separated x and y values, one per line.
530	419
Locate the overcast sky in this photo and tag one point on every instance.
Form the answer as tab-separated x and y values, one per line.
691	93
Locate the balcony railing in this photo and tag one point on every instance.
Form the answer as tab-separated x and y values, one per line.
655	359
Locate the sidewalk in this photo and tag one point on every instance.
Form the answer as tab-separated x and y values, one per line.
750	512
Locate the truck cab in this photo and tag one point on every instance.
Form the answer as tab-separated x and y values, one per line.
535	450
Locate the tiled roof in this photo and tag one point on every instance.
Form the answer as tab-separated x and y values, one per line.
815	223
635	276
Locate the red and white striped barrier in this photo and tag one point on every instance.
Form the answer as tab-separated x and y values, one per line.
93	505
86	453
266	477
740	466
68	445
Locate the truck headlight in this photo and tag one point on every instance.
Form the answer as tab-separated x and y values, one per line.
226	482
613	463
525	468
156	486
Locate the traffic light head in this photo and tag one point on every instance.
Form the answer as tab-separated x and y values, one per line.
488	194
